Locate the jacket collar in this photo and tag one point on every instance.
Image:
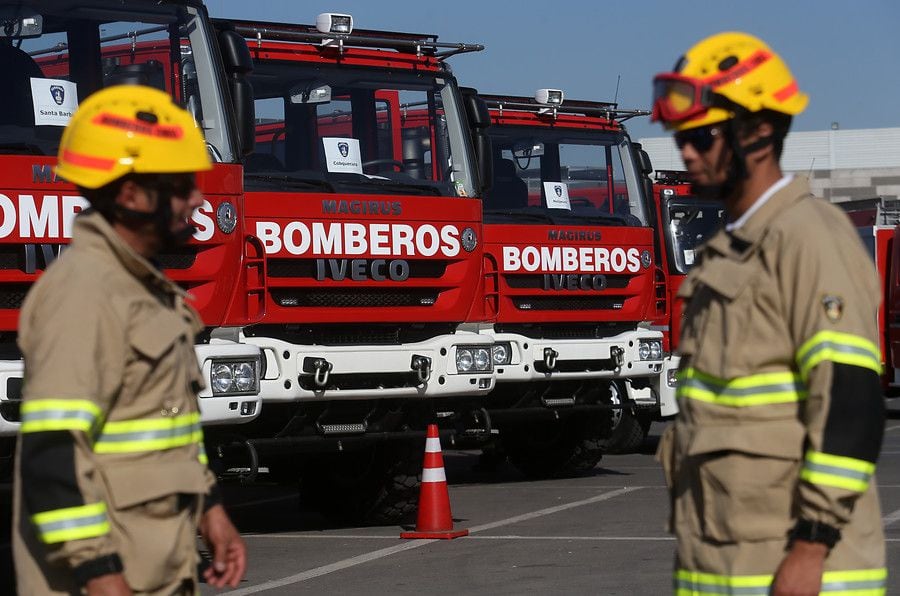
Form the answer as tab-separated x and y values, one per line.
91	230
737	244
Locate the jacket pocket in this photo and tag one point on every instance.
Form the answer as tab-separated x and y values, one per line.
747	479
155	335
153	530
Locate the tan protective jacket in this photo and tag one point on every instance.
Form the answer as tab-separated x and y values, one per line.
781	412
110	464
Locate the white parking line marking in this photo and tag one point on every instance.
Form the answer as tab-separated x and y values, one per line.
891	519
386	552
557	509
890	428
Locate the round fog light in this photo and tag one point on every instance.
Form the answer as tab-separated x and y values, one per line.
221	377
482	359
464	360
244	376
644	351
500	353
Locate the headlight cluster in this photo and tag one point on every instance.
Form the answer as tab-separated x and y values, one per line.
501	353
650	349
473	359
233	377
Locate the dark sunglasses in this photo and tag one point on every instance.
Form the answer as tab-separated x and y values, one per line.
701	139
169	185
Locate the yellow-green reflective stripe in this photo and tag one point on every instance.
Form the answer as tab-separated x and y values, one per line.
837	471
692	582
149	435
202	455
860	582
41	415
71	523
842	348
752	390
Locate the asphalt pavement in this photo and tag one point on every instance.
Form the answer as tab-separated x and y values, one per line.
602	533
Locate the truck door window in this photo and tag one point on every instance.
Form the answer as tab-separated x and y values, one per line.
108	43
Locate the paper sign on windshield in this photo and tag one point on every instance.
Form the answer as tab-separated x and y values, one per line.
342	155
55	100
557	194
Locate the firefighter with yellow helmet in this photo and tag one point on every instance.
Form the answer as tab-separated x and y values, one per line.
111	478
771	460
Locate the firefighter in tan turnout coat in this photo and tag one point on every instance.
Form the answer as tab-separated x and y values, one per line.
771	459
112	479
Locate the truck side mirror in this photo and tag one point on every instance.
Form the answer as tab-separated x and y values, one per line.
479	118
239	63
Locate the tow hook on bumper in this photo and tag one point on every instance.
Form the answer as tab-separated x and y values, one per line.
618	356
321	368
550	356
422	366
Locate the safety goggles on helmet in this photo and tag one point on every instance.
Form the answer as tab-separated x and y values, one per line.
701	138
677	97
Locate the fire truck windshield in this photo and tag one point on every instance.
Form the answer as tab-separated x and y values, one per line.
70	50
691	223
358	130
569	176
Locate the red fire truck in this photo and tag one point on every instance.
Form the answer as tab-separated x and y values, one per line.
877	221
684	222
570	253
362	193
53	54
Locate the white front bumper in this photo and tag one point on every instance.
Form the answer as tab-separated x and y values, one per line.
576	358
11	373
216	410
357	367
668	405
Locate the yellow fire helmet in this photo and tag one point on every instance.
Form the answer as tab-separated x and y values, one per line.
129	129
724	71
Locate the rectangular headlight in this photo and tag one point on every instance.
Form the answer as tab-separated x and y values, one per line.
234	377
471	359
650	349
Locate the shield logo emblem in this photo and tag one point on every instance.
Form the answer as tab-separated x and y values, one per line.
558	190
344	148
834	308
58	93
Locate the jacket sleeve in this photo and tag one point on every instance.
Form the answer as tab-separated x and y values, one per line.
74	351
831	296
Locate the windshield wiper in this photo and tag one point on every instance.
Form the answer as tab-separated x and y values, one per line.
395	186
20	149
515	214
291	181
611	219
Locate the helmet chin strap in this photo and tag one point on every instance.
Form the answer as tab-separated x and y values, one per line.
737	168
161	218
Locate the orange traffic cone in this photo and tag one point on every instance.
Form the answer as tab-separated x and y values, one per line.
434	519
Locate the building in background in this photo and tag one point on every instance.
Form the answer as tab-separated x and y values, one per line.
840	164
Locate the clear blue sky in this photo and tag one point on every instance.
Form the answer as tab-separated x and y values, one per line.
844	54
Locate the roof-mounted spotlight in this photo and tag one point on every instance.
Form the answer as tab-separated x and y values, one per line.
549	97
332	22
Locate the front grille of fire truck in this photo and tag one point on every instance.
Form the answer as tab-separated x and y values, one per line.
569	302
12	296
363	297
180	258
333	334
306	268
565	330
536	281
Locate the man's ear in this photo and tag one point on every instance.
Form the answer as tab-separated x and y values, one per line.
132	196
